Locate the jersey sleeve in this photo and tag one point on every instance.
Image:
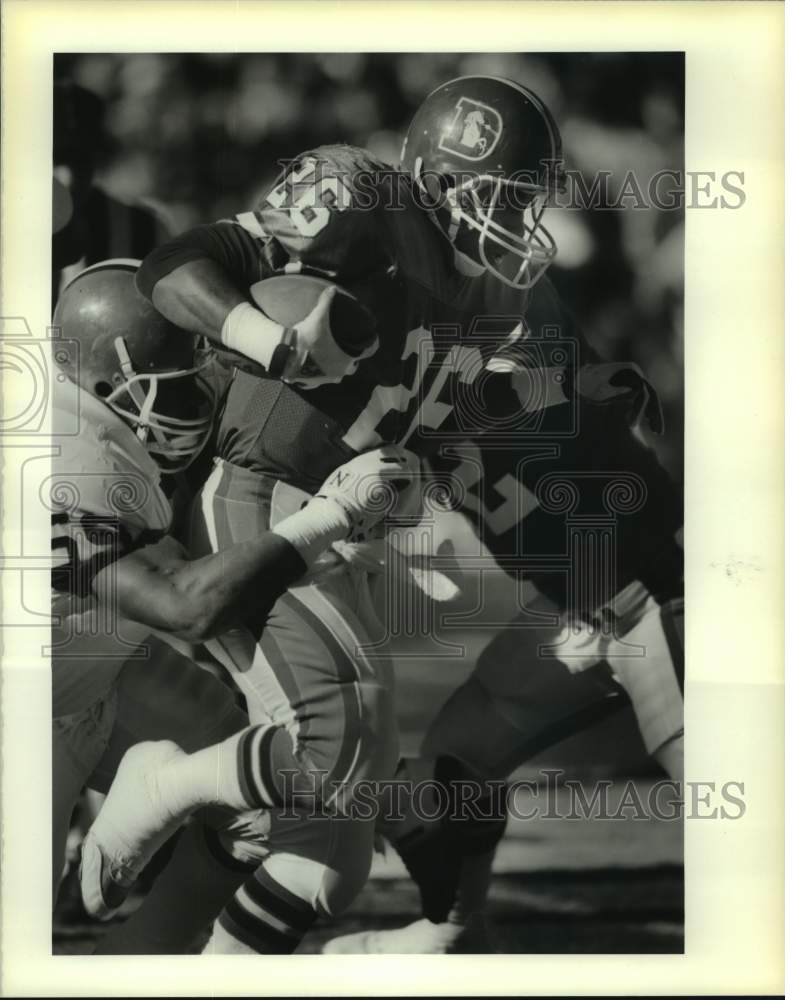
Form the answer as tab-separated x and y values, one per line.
229	243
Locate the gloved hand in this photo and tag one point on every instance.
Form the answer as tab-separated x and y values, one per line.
623	387
372	486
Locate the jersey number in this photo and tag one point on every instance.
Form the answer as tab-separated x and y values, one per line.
308	199
411	405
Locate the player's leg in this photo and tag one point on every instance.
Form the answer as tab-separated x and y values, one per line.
78	741
339	709
170	696
302	667
516	703
312	674
654	680
331	721
88	651
316	868
327	711
653	683
338	705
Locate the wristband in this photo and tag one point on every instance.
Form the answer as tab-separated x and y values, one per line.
248	331
282	352
314	528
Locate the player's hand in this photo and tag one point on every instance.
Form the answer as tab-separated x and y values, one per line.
623	388
372	486
316	358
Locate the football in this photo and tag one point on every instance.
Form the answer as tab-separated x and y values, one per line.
288	298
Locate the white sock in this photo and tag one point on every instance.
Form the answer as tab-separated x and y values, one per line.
207	777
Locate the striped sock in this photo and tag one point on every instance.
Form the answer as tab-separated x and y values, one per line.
263	753
263	918
242	772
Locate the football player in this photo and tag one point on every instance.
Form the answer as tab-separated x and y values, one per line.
593	522
120	580
450	255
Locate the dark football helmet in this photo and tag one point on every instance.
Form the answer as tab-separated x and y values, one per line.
485	156
121	350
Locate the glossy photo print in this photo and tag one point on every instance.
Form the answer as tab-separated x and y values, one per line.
368	549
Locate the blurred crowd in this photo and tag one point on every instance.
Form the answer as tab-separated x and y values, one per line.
192	138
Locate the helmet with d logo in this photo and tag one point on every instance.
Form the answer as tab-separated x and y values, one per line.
485	156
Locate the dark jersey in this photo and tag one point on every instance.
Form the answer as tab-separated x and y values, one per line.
444	339
579	515
460	360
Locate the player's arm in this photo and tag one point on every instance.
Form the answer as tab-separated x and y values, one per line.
198	296
158	585
199	281
198	277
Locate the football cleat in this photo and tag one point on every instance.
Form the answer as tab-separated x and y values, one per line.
131	826
420	938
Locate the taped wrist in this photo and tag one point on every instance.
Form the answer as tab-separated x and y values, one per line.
248	331
314	528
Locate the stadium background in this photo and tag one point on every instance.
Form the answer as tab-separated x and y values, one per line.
192	138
